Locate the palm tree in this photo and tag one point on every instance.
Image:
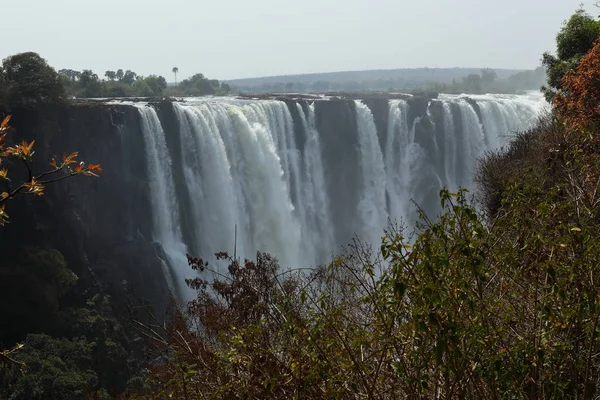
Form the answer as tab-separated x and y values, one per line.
175	71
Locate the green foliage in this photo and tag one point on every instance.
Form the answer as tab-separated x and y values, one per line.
56	369
577	36
111	351
488	75
72	75
31	287
87	356
87	84
157	84
30	80
111	75
90	84
141	88
575	39
199	85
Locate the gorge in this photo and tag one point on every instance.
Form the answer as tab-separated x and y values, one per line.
296	177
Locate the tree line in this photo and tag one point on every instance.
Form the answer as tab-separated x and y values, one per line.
26	78
127	83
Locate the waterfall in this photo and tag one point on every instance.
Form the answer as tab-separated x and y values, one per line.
239	164
473	141
165	211
451	151
317	228
264	166
372	212
213	193
402	156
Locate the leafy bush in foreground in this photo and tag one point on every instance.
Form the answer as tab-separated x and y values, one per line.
469	310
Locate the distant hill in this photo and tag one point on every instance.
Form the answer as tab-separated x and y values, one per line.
414	75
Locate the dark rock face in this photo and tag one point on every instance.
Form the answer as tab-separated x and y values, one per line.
100	225
336	123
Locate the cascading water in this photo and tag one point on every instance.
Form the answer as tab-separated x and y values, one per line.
317	230
402	157
263	166
235	176
473	140
372	210
165	209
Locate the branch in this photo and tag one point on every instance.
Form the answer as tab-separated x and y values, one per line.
59	179
6	359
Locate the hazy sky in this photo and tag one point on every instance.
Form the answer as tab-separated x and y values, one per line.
227	39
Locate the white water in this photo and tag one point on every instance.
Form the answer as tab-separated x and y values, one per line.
241	163
165	210
238	171
402	160
372	211
317	231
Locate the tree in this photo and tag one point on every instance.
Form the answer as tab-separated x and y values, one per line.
579	100
30	80
57	369
111	75
175	71
128	78
141	88
472	83
575	39
120	74
71	74
90	84
35	182
156	84
199	85
225	88
488	76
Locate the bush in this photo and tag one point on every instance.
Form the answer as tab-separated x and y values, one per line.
469	310
535	150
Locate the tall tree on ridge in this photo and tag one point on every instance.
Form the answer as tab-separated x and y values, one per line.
175	71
